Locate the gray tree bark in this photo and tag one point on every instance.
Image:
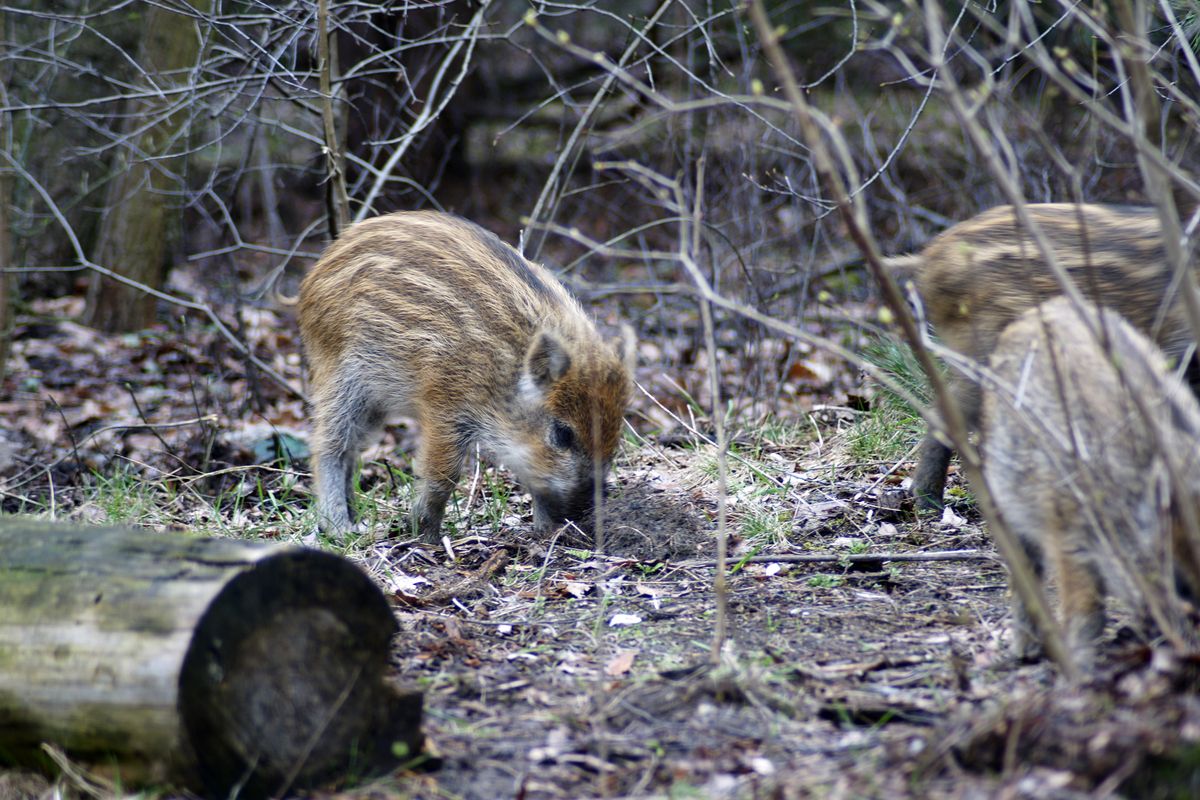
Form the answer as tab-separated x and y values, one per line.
6	244
140	215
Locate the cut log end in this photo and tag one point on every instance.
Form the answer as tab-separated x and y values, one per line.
250	668
283	684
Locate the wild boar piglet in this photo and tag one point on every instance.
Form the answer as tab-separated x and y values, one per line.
976	277
1077	455
429	316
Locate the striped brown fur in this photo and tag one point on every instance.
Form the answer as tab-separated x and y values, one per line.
978	276
1080	475
428	315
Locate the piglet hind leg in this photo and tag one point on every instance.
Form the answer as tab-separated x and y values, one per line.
332	471
438	465
1081	591
340	427
929	482
1026	642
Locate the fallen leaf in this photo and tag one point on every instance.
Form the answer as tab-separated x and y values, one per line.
952	520
575	588
88	411
404	584
621	664
801	372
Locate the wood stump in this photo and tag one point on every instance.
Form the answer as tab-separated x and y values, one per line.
221	662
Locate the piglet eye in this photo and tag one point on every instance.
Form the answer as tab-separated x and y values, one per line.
561	436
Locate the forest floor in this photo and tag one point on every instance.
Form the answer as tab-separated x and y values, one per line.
553	670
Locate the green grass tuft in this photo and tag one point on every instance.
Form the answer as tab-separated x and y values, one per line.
896	358
892	426
125	497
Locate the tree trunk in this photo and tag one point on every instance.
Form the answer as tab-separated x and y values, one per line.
210	661
7	283
140	215
6	245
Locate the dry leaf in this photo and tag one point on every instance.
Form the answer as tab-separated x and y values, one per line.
952	520
621	664
575	588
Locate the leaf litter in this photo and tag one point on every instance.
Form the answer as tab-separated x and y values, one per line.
553	670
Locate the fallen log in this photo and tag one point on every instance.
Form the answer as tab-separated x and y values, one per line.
228	665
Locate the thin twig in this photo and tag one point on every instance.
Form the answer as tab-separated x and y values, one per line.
850	558
953	421
430	109
203	308
339	200
133	426
137	406
568	150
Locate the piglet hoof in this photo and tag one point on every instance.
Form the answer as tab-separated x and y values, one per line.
364	532
352	533
1026	647
424	531
926	500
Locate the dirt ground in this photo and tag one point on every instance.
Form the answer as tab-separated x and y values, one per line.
551	670
569	675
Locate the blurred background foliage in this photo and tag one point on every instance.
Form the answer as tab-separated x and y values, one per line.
582	130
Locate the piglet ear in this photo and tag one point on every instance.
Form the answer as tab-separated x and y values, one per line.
546	361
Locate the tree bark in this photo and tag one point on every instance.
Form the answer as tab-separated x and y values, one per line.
206	661
140	215
6	245
336	198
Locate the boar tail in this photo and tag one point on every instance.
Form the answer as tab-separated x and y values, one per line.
903	268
